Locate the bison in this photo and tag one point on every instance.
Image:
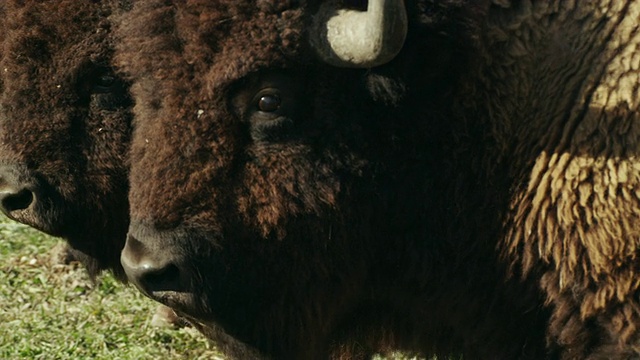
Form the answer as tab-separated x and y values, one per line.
559	107
65	126
315	196
474	190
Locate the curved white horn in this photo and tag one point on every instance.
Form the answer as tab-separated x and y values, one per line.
362	39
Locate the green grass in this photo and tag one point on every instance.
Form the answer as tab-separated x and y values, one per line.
54	311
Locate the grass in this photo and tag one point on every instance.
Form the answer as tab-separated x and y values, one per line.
54	311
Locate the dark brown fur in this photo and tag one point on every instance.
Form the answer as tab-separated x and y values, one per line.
65	127
364	224
533	185
65	124
544	170
561	98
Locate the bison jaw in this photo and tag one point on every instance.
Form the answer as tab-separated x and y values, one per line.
357	39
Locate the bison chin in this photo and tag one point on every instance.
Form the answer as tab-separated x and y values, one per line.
160	269
182	269
173	266
164	275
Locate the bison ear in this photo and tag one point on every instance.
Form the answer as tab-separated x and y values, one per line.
359	39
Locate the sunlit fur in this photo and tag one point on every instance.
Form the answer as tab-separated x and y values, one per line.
561	104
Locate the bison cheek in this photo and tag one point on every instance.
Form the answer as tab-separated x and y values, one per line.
274	193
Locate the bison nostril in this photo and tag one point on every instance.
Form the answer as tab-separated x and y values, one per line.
151	271
163	279
13	200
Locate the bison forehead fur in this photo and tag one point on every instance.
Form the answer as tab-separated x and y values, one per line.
65	125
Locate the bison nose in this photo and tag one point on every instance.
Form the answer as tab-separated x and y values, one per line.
151	271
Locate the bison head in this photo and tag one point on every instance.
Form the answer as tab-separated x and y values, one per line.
268	187
65	126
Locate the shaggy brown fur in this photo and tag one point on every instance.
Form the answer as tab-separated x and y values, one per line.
332	231
65	126
561	94
356	218
545	147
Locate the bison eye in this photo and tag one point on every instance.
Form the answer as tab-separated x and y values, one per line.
106	90
106	81
269	103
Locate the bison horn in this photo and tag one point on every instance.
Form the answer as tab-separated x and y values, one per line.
360	39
